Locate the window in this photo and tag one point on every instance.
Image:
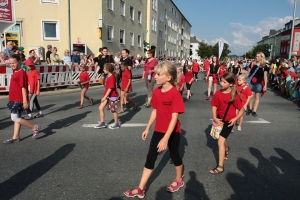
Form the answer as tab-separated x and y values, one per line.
139	41
161	16
131	39
49	1
110	33
153	24
140	17
162	1
110	4
50	30
122	36
160	34
131	13
154	4
160	52
122	8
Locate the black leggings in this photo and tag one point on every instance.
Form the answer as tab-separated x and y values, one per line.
195	75
173	145
188	86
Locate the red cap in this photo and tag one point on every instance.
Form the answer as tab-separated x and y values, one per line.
29	62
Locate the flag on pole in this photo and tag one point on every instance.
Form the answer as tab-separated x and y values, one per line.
221	46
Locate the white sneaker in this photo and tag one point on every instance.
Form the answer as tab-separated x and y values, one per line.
239	128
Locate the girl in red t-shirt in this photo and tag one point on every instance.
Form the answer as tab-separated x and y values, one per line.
181	77
189	77
110	98
167	104
227	95
126	87
245	93
83	83
18	100
222	70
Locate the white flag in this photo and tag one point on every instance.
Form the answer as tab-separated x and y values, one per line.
221	46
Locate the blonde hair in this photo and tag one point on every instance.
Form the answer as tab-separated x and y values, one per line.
243	76
66	51
169	69
263	59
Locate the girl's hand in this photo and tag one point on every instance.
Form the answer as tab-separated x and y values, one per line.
143	78
144	134
25	105
162	145
219	122
38	93
245	107
232	122
265	88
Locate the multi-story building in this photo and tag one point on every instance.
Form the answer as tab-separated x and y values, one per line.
194	46
116	24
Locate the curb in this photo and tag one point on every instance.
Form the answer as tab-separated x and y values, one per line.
65	91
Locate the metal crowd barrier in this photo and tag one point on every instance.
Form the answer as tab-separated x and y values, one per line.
57	75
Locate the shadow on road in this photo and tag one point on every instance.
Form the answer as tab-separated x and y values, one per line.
61	123
274	178
20	181
194	190
212	143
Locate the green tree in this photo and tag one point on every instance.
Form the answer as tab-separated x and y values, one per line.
258	48
204	50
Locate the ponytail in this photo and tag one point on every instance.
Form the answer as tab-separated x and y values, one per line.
234	92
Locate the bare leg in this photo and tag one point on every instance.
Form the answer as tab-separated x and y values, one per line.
17	127
209	87
115	115
82	93
130	100
256	101
122	101
251	101
101	110
215	88
222	146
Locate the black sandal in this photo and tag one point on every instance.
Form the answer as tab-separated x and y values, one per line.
227	153
216	170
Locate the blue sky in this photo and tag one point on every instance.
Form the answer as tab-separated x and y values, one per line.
240	23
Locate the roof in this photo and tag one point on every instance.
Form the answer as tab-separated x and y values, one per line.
194	40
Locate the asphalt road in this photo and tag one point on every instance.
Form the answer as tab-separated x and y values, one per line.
69	161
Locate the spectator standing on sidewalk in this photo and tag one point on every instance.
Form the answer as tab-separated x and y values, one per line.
67	58
54	57
75	59
49	52
9	49
34	57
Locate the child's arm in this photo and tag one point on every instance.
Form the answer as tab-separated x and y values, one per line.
248	99
25	100
150	122
162	145
129	82
38	88
232	121
106	95
214	114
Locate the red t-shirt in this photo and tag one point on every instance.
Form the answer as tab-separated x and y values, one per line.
126	75
111	84
294	75
222	70
83	77
149	65
181	82
165	104
17	82
245	93
33	76
188	76
196	67
221	100
206	66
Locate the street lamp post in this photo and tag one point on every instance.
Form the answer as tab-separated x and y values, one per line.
292	33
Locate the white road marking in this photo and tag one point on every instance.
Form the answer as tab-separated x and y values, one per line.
259	121
122	125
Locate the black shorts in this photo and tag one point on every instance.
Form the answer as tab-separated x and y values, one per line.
226	130
188	86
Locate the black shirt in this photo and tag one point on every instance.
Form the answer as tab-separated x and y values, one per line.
260	72
48	54
103	60
235	69
213	69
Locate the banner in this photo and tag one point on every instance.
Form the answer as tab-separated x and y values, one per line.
221	46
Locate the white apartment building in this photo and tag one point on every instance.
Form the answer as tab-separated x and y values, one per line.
194	46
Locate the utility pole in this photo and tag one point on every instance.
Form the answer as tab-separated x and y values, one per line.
292	33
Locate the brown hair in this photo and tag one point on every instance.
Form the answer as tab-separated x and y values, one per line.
152	52
230	78
109	67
